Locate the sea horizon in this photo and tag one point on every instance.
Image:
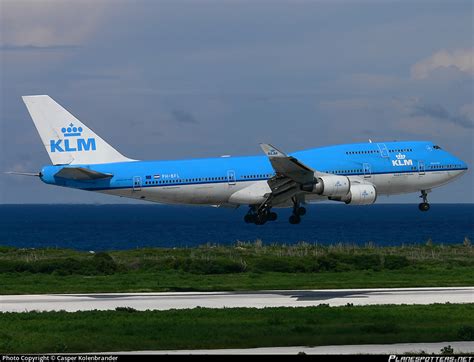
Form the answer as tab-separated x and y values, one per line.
129	226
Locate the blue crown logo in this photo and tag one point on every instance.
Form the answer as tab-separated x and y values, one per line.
71	131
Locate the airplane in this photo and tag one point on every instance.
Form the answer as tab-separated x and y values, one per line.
355	174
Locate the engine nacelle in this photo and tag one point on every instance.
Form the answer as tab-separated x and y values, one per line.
332	186
364	194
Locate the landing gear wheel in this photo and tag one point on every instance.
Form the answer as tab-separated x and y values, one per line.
295	219
260	219
272	216
301	211
424	206
249	218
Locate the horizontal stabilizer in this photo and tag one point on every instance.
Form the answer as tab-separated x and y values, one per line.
82	174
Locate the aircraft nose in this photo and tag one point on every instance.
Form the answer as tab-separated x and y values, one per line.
462	164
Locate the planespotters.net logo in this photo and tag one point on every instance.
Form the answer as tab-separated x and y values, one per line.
72	142
395	358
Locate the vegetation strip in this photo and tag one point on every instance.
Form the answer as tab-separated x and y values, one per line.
243	266
127	329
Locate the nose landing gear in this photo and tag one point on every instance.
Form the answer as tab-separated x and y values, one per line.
424	206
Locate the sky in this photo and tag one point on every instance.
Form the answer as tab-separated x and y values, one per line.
188	79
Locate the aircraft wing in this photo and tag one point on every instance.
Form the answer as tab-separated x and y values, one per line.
290	176
288	166
82	174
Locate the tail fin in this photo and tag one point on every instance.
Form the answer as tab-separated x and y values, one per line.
66	139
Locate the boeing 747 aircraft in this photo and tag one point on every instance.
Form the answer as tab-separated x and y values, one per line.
352	173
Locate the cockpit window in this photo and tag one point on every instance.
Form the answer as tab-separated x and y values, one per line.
436	147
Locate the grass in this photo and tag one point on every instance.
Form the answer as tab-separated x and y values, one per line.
200	328
243	266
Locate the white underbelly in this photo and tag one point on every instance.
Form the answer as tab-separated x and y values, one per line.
210	194
219	193
400	183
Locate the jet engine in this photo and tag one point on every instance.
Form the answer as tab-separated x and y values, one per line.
363	194
331	186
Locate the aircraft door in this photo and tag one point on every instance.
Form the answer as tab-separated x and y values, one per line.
137	183
367	170
383	149
231	177
421	167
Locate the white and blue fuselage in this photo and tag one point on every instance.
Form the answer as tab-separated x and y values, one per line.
394	168
352	173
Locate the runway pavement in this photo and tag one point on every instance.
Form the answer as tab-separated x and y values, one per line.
254	299
398	348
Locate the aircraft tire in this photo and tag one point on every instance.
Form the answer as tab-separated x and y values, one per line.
260	219
424	206
295	219
301	211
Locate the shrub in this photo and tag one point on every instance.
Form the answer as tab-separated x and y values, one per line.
447	350
279	264
381	328
210	266
125	309
396	262
361	262
327	263
104	263
466	333
6	249
101	263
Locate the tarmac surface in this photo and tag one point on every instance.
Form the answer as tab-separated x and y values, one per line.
253	299
398	348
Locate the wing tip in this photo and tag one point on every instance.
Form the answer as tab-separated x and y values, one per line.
272	151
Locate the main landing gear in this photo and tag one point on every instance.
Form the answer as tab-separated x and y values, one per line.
260	216
298	211
424	206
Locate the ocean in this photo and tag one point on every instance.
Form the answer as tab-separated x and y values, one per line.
118	227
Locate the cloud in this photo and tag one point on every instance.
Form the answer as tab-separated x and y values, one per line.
183	117
48	23
440	113
37	48
461	59
353	104
467	110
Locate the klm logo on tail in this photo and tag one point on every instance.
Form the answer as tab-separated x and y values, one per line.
71	143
